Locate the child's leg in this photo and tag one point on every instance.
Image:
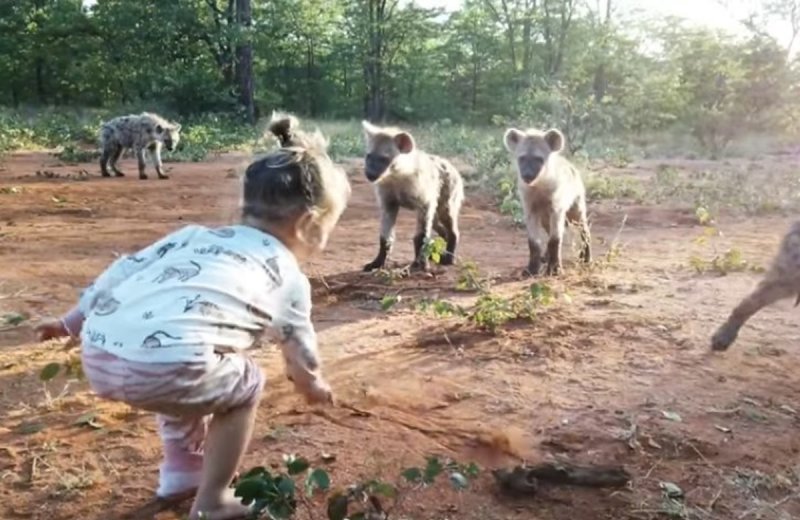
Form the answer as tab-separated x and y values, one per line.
228	437
182	467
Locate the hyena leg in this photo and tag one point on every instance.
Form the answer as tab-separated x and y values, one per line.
771	289
439	228
450	224
115	155
425	218
140	151
105	155
536	235
557	226
388	219
577	216
155	150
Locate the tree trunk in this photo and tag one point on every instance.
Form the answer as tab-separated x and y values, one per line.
600	80
375	108
244	60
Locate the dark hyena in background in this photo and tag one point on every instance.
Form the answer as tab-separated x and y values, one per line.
142	132
781	281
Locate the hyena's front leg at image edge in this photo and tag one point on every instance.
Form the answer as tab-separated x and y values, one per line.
771	289
388	219
422	238
140	157
155	150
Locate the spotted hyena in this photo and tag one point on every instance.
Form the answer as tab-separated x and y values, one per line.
140	132
404	176
552	193
781	281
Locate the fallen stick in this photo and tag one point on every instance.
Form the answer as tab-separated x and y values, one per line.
525	480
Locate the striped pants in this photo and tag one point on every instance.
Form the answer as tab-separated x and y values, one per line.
184	396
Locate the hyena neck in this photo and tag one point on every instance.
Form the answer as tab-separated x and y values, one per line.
406	164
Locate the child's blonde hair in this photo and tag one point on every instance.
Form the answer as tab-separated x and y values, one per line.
298	178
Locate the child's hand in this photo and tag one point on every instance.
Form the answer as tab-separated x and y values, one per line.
50	329
317	392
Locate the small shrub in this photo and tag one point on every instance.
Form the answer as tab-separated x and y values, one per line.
469	277
492	311
434	249
731	261
276	496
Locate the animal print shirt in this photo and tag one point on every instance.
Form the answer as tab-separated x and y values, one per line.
199	289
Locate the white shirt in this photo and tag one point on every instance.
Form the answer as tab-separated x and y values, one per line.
200	288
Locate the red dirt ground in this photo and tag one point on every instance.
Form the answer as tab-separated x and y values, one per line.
588	381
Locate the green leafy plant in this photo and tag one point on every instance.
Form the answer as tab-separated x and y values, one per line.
277	495
469	277
434	249
492	311
440	308
389	301
71	367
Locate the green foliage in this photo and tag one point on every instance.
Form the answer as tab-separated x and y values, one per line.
71	367
603	79
276	496
389	301
492	311
434	249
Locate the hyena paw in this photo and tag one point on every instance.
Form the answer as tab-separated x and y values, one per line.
447	259
419	265
532	270
143	176
553	269
163	176
372	266
723	338
119	174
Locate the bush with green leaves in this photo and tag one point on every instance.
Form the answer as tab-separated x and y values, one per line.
278	495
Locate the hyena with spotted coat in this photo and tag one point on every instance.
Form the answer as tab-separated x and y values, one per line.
405	176
781	281
140	133
553	195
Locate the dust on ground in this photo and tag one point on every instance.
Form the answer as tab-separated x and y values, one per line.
617	370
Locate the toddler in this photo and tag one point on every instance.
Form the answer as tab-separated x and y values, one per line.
162	329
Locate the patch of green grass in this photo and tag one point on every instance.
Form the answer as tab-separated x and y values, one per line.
609	187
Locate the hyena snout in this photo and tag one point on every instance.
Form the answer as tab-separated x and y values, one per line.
375	166
530	168
169	144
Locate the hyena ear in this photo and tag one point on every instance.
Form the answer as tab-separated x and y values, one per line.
511	139
176	127
369	128
159	129
404	142
554	139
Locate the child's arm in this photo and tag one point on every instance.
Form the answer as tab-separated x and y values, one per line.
299	346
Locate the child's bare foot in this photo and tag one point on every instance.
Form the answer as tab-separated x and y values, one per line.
227	508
